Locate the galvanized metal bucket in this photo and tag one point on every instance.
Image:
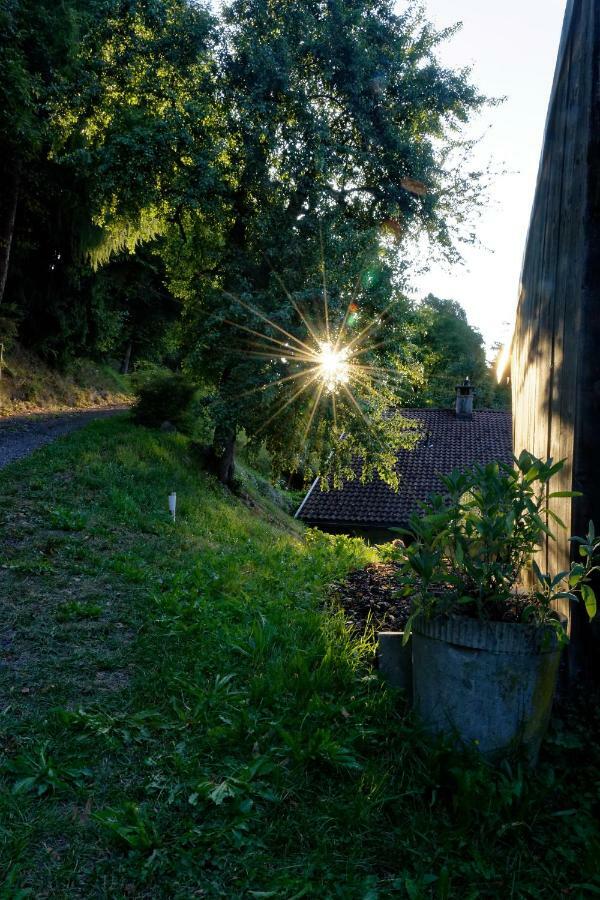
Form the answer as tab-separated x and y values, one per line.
488	685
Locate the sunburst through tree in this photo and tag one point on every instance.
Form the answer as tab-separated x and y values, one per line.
333	380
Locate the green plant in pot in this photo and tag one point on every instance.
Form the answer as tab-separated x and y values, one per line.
486	649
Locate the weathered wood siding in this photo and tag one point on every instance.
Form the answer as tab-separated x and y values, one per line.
556	350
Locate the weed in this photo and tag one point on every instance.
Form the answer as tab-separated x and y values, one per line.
131	825
75	611
39	774
32	565
64	519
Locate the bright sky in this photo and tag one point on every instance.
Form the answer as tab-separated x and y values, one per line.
512	47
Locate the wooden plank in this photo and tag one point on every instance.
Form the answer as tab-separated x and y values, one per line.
570	265
551	416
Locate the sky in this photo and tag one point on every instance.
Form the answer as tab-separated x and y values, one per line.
512	47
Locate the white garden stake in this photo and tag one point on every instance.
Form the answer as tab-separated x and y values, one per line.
173	504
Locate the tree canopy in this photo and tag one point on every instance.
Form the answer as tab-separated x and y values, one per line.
442	349
262	177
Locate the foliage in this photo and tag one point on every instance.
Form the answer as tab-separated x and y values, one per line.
135	129
236	735
472	544
441	350
40	774
339	124
164	397
100	136
37	45
206	159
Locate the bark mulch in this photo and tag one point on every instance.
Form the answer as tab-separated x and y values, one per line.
369	599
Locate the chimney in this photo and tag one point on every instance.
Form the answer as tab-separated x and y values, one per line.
465	394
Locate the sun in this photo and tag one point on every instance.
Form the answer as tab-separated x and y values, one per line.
326	362
333	365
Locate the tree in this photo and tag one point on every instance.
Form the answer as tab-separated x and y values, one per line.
449	350
281	155
102	131
137	318
35	39
337	118
134	120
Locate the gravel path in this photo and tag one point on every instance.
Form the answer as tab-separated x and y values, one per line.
21	435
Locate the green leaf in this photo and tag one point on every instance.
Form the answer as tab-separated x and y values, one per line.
23	785
543	579
222	792
555	469
589	598
570	494
558	578
556	518
547	531
565	595
408	628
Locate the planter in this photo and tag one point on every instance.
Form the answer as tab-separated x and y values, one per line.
490	685
394	660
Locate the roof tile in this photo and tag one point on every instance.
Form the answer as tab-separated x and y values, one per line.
448	444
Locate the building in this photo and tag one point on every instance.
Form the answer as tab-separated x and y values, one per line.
555	364
452	439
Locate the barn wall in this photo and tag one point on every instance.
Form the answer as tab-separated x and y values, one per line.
555	385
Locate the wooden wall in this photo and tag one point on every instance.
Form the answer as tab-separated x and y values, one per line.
556	349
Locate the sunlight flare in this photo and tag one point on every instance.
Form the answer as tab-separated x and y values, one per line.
329	362
334	366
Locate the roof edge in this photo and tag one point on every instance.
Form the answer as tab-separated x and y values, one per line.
306	499
340	523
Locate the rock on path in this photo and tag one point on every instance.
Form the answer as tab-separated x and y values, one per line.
21	435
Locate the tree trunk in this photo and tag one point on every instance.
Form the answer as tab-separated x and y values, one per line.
127	359
224	455
7	226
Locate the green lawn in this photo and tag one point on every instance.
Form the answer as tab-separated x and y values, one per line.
179	717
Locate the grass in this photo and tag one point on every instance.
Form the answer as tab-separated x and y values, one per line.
28	385
180	717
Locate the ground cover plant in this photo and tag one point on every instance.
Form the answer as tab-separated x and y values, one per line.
183	715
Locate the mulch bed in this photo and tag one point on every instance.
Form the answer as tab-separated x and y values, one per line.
369	599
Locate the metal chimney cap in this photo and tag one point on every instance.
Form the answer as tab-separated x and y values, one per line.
466	388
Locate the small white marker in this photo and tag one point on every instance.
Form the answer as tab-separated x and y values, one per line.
173	504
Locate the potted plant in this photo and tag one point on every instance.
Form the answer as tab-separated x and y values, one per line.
486	650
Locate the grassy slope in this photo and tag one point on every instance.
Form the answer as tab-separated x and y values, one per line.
29	385
179	718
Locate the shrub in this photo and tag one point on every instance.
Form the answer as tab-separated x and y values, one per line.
472	544
8	331
165	397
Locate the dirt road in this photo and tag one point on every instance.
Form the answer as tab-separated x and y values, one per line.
21	435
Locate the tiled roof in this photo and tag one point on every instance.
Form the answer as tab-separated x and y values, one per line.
448	444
